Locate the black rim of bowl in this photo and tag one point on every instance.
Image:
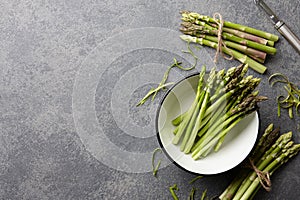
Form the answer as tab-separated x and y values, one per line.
159	139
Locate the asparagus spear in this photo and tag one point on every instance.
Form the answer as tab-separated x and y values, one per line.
230	191
231	90
253	53
246	107
231	37
222	80
284	157
187	22
231	78
240	57
197	154
184	123
230	74
192	122
272	153
178	119
204	103
247	36
210	117
266	140
193	15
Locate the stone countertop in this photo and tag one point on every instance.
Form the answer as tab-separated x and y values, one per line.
71	74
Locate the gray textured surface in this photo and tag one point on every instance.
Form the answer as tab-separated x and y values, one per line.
53	56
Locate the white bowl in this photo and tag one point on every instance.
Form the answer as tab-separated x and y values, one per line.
237	144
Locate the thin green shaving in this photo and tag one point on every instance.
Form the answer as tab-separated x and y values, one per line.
172	190
151	92
192	194
291	100
195	179
203	196
155	168
162	85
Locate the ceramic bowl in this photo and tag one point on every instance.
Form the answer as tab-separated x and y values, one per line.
237	144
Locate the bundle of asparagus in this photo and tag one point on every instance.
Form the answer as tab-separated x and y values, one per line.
222	100
246	44
269	154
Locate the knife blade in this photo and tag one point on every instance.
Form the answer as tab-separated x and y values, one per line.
280	25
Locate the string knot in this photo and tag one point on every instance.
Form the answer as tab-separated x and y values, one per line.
264	177
220	22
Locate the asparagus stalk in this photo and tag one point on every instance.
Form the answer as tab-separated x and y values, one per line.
272	153
267	139
193	121
230	191
178	119
228	36
263	34
247	36
194	131
212	26
230	80
210	117
235	114
212	133
197	154
231	73
221	111
284	157
232	90
240	57
219	143
253	53
184	123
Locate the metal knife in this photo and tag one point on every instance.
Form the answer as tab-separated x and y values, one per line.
281	27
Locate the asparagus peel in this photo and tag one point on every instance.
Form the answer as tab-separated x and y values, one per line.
172	190
153	91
